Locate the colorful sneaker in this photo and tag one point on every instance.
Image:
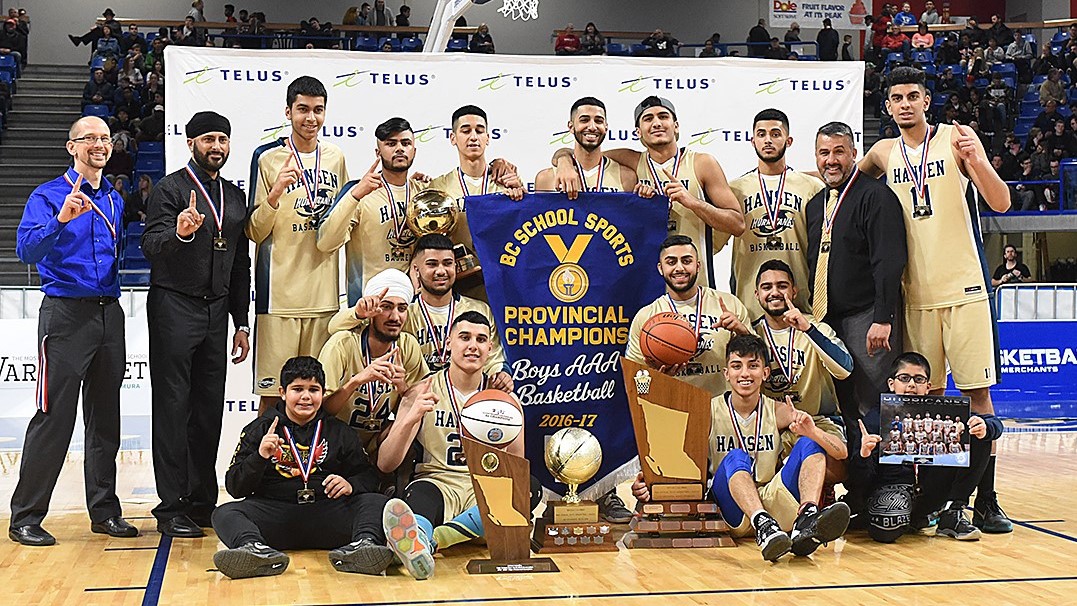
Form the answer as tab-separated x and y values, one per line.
953	523
772	540
818	527
364	556
251	560
612	509
407	540
989	517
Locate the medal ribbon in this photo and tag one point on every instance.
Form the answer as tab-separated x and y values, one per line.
828	219
463	181
583	176
786	368
219	218
452	392
366	362
699	309
305	469
919	179
740	435
110	223
398	222
310	188
441	350
654	167
773	204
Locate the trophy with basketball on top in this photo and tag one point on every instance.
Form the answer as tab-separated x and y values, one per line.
672	421
573	455
490	420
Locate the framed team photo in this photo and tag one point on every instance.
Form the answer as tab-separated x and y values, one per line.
925	430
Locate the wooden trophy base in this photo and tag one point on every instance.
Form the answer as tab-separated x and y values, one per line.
528	566
574	538
679	524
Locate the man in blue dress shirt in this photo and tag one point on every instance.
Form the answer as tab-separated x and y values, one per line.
70	230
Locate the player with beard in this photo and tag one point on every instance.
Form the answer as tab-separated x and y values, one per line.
200	276
587	122
702	207
368	218
773	197
714	315
293	181
805	356
948	313
369	367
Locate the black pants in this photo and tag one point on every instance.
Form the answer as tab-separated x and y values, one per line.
941	484
323	524
80	348
188	363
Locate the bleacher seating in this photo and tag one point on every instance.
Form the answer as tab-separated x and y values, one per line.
411	45
617	50
95	109
395	43
366	43
456	45
134	268
637	49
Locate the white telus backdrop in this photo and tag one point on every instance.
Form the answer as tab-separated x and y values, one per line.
527	99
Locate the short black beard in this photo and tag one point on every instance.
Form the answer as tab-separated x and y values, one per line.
430	289
379	335
203	162
771	160
586	146
690	286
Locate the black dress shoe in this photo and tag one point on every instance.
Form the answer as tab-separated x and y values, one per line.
114	527
201	521
181	527
31	534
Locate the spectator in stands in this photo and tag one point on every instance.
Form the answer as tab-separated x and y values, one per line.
387	47
12	42
153	127
977	36
151	104
879	27
153	86
775	50
134	207
758	37
1062	140
156	53
130	38
567	43
998	94
243	16
229	13
119	163
1041	159
364	14
929	16
196	11
1046	61
316	29
131	70
1052	89
923	39
1050	199
121	122
403	19
351	16
380	15
708	49
189	34
827	39
1011	270
661	44
108	47
95	33
793	56
592	41
906	16
460	22
483	42
792	35
847	48
1024	196
999	31
126	98
97	91
872	90
948	53
1019	52
947	83
895	41
993	54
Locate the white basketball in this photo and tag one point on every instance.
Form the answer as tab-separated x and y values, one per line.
492	417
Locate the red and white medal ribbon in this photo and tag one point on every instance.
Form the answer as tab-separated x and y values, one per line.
218	217
438	337
310	188
828	218
787	366
741	441
699	309
463	182
305	468
110	220
919	179
452	392
583	175
772	203
367	358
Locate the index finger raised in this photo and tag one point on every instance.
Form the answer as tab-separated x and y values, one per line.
374	166
273	426
863	430
721	303
668	175
77	185
193	200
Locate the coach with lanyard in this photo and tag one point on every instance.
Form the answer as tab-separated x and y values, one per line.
69	229
200	275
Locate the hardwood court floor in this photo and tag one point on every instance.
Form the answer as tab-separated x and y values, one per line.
1036	564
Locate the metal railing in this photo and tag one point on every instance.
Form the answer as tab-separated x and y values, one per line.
22	302
1036	302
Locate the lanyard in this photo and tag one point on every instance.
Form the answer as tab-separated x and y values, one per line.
772	203
441	350
305	469
699	309
919	179
463	182
828	218
398	222
740	434
218	217
583	176
109	222
452	392
366	362
310	188
787	366
654	167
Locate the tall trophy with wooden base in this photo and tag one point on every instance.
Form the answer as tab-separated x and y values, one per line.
573	455
672	422
432	211
502	484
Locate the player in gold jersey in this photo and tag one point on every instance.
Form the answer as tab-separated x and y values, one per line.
754	490
773	198
367	369
587	123
368	217
442	491
293	181
948	316
714	315
702	206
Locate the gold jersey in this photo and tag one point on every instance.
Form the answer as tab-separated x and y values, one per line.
373	232
345	355
439	433
946	264
705	368
808	378
756	434
430	325
775	228
682	220
292	277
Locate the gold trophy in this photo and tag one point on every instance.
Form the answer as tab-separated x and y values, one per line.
573	456
432	211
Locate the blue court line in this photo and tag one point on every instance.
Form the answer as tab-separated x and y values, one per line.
1045	530
703	592
114	589
1041	521
157	573
130	548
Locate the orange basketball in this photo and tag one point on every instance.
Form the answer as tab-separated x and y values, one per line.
667	338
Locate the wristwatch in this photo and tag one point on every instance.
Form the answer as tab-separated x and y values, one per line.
246	329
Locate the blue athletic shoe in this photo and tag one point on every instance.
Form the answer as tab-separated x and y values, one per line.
407	540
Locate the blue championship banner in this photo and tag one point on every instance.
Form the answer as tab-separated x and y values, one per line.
564	280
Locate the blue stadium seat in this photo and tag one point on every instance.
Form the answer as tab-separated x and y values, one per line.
929	70
456	45
1060	37
922	56
809	58
411	45
1065	110
617	50
1039	79
366	43
1032	94
940	99
393	42
1071	95
150	38
980	83
8	63
151	149
97	62
93	109
1056	49
1004	68
1009	81
894	58
1020	130
1031	108
637	49
956	68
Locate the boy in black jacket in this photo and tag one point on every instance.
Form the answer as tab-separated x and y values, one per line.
321	499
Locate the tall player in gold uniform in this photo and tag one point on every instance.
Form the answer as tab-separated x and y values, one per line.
948	315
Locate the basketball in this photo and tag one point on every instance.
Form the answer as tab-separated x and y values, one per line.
667	338
492	417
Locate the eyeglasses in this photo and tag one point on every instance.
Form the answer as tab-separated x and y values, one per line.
90	139
907	378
